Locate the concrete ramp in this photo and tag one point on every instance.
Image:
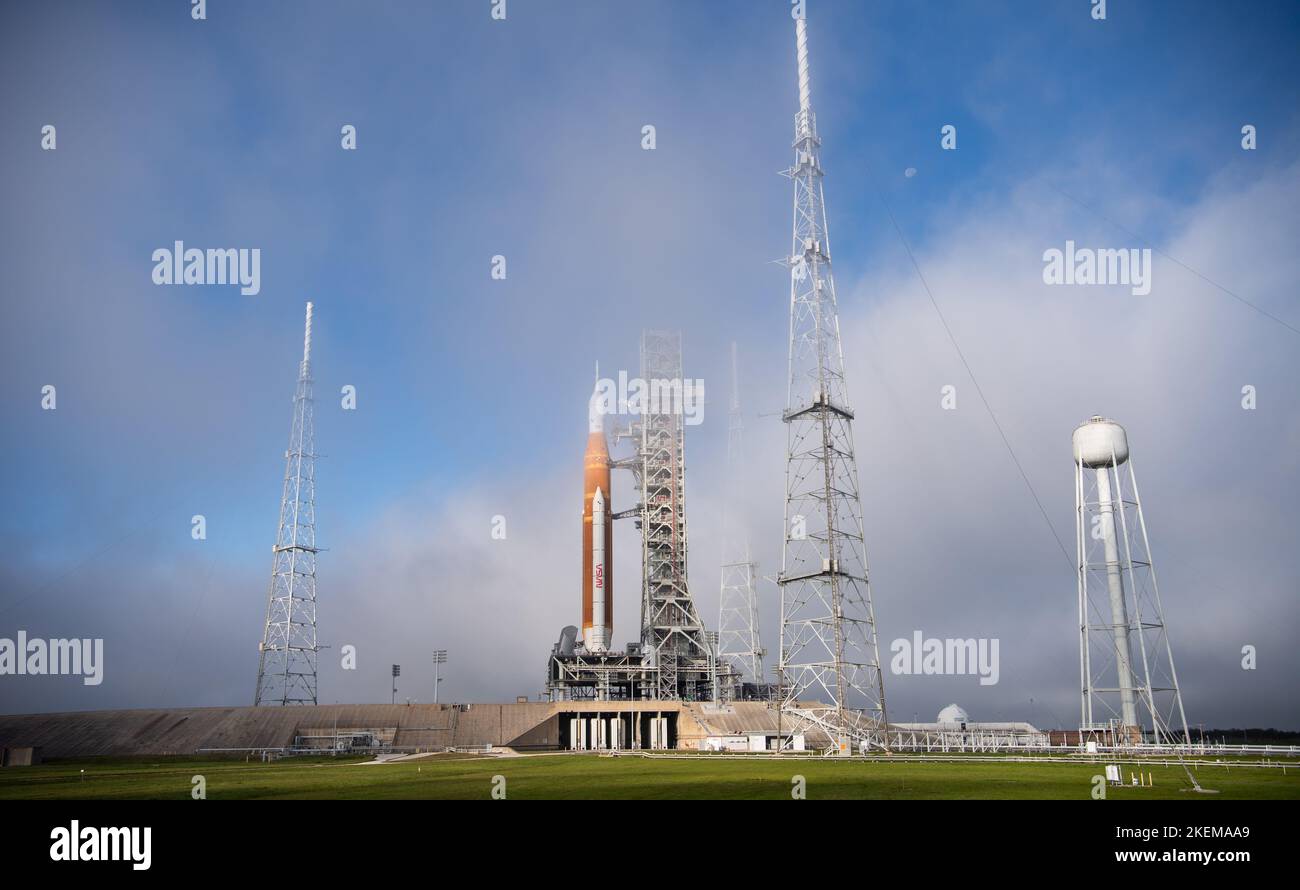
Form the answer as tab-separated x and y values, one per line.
735	718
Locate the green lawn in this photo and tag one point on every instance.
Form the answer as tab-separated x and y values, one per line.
463	777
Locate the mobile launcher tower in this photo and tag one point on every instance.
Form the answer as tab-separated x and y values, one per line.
675	658
1125	660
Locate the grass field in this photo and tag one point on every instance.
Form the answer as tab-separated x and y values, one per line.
466	777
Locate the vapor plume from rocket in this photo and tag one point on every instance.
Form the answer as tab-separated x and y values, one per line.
597	538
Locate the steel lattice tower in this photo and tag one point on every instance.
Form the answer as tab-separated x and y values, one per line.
286	673
829	664
739	642
1125	660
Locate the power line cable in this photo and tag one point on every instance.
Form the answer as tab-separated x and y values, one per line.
1176	261
978	389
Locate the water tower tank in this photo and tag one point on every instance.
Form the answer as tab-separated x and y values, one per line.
1099	440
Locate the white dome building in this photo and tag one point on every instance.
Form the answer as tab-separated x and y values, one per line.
952	715
953	730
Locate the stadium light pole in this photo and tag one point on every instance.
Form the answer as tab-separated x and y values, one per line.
397	672
439	657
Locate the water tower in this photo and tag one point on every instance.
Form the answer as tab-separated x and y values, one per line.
1125	661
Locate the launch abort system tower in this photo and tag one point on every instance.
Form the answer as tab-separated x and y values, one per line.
829	666
286	672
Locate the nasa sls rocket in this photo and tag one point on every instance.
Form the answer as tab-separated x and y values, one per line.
597	538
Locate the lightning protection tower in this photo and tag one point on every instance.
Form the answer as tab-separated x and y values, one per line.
738	638
1125	661
829	666
286	673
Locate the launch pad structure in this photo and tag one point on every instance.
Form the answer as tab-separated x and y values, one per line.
678	680
676	657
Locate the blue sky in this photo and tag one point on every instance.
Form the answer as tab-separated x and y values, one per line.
522	138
